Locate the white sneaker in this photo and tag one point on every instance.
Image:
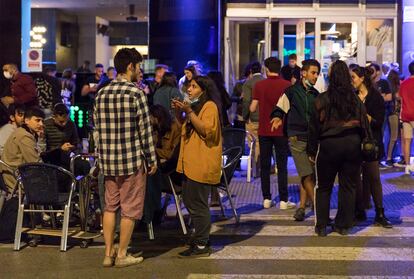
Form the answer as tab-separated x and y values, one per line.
267	203
409	169
287	205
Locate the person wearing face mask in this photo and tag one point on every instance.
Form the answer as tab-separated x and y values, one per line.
200	158
22	87
295	106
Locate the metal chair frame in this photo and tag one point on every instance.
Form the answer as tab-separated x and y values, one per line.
22	210
177	199
224	185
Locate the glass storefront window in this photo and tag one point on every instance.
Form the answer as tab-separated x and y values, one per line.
380	38
309	40
251	44
338	42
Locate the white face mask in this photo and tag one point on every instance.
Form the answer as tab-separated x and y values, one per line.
7	75
193	101
308	83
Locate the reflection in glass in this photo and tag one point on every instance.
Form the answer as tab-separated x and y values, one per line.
380	37
338	42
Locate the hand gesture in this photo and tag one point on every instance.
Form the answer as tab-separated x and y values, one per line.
183	106
276	123
66	146
152	169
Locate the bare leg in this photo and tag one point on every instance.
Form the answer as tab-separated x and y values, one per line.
127	227
407	150
309	185
302	196
109	231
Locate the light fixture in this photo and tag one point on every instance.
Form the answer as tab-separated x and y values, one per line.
38	40
37	37
39	29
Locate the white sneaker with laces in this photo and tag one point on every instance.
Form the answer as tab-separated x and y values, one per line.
287	205
267	203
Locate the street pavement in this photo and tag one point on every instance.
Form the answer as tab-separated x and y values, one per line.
266	244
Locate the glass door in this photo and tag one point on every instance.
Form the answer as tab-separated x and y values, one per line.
338	40
245	43
293	36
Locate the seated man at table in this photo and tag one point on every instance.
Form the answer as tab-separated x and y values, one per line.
21	147
61	137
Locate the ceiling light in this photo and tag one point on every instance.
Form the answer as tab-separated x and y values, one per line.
43	41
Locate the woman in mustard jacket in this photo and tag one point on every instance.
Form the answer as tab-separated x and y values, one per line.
200	158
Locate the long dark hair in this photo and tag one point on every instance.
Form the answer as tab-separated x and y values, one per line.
394	80
341	93
192	69
210	93
366	73
164	120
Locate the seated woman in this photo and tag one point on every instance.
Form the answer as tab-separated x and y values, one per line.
168	135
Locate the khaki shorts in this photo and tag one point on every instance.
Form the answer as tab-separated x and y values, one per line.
126	192
298	149
408	128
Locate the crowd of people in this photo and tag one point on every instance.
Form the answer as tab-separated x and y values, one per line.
145	130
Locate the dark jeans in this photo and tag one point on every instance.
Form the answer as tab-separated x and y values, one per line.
266	150
195	196
342	156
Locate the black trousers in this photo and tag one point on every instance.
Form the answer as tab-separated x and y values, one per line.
266	150
195	196
342	156
371	185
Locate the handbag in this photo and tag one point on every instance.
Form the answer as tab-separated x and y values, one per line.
369	146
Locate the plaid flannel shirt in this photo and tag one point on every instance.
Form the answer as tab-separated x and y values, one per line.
125	134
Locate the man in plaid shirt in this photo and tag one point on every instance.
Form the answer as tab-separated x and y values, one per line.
126	153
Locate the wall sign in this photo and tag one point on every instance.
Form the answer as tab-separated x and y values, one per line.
34	60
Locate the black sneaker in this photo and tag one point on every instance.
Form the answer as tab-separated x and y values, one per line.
321	231
299	214
400	164
341	231
196	252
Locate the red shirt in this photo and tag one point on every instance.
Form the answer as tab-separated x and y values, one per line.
24	90
407	100
268	92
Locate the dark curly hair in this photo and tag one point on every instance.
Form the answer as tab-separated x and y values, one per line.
210	93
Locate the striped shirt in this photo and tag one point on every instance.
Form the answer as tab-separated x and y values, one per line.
125	134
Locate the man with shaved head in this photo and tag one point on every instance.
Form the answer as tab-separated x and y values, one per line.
22	87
